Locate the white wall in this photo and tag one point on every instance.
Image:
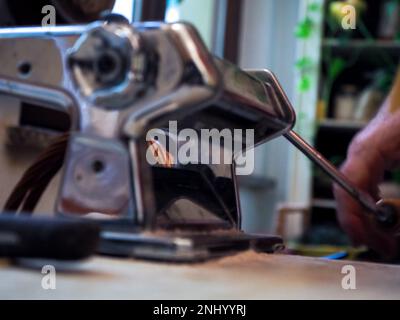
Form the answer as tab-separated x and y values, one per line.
267	41
198	12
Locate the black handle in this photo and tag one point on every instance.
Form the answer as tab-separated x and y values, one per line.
49	238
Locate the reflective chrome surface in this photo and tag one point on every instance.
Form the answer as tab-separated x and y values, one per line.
153	73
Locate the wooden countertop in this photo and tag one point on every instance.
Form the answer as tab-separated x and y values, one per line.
244	276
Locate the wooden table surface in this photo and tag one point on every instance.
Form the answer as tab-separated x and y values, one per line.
244	276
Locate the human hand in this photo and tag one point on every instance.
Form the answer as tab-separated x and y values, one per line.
373	151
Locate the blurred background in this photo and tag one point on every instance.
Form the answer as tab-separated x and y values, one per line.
336	79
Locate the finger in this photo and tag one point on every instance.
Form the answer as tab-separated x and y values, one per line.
355	222
349	216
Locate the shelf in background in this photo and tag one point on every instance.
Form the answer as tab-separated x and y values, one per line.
361	44
342	124
256	182
324	203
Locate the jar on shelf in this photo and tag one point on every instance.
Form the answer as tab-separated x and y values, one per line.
389	22
345	103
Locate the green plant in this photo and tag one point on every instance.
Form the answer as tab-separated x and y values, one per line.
303	31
